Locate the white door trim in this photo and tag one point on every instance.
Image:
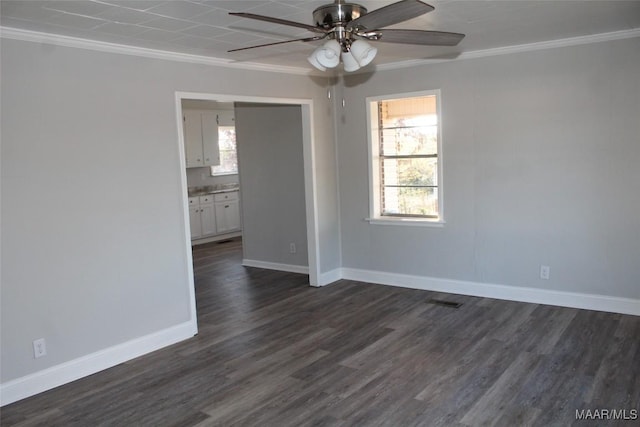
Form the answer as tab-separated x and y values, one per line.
310	177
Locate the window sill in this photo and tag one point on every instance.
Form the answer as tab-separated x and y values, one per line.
414	222
224	173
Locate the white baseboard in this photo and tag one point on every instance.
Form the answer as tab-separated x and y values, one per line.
302	269
488	290
55	376
329	277
72	370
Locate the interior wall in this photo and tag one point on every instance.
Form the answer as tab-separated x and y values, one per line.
269	139
93	238
540	155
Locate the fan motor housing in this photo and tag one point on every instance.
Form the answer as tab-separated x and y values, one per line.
328	16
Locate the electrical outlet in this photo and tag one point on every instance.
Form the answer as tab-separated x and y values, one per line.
545	270
292	248
39	348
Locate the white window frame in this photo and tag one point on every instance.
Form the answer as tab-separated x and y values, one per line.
212	168
373	145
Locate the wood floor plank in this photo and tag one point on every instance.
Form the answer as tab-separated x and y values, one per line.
272	351
513	415
239	401
500	395
617	374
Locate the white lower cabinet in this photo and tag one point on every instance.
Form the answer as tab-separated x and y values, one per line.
214	214
194	221
202	217
227	214
208	218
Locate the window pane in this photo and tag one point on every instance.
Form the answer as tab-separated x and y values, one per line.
228	162
410	171
410	201
406	157
228	156
408	141
409	110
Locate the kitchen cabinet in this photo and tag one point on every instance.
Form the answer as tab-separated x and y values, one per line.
227	212
202	219
201	138
216	214
226	118
194	222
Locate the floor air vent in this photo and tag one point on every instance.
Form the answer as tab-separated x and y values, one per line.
450	304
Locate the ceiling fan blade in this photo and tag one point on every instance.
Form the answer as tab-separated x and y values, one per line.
307	39
279	21
391	14
429	38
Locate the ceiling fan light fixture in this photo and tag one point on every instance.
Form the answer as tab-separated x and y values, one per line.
314	61
363	52
350	63
328	55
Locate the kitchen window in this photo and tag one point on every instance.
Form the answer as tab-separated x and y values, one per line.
228	155
405	158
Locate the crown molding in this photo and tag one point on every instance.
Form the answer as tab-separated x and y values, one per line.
59	40
80	43
573	41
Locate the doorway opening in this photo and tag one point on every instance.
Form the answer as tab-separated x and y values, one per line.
256	112
208	130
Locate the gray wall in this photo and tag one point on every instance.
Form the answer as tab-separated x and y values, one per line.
269	141
93	239
541	154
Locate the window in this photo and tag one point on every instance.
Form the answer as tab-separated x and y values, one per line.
405	151
228	156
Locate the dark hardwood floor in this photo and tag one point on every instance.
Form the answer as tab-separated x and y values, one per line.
272	351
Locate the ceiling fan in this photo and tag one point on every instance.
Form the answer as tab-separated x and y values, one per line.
348	27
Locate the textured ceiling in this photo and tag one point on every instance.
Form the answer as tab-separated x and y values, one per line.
204	27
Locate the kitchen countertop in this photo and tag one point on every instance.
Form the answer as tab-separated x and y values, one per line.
213	189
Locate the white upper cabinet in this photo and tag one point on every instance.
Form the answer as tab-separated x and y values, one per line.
201	138
210	149
192	126
226	118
